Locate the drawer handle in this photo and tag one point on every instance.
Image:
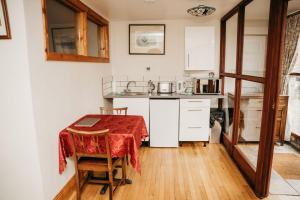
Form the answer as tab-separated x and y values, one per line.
195	127
257	127
196	110
195	101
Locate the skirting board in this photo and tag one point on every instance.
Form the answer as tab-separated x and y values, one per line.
66	191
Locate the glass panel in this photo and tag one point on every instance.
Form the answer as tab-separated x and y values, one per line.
61	27
228	105
93	39
255	38
250	119
231	44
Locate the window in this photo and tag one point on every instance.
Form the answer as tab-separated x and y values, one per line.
74	32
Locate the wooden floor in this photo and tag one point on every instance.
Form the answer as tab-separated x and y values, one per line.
189	172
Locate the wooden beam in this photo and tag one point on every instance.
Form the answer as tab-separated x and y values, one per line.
277	27
81	42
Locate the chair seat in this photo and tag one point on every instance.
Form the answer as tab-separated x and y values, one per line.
96	164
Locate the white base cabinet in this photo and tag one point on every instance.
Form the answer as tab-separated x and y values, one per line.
164	116
194	120
136	106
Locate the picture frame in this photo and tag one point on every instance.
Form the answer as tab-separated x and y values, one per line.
147	39
63	40
4	22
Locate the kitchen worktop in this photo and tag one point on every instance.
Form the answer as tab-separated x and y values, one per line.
164	96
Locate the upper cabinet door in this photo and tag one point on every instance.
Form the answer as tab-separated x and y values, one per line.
200	48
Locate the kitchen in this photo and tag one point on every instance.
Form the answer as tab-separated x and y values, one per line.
200	83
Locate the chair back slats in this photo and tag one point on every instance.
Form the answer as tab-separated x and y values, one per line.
80	145
113	111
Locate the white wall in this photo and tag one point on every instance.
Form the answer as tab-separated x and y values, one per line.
171	64
61	92
19	169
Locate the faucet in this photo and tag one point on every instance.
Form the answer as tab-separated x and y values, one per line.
127	86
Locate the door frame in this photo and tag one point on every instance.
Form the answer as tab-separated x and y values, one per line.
259	178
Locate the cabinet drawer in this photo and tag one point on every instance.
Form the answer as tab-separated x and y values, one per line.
194	117
194	103
194	133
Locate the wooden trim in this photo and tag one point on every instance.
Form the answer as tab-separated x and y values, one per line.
84	13
65	192
245	166
81	42
222	46
244	77
104	45
81	7
6	18
228	145
235	10
75	58
240	41
277	27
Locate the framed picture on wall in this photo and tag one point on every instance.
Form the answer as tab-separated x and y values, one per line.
147	39
4	23
64	40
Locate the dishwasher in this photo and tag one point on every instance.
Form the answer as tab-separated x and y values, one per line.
164	122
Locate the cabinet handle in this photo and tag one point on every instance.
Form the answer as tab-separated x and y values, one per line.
195	126
257	127
195	101
196	110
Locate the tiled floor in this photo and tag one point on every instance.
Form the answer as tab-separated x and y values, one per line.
278	185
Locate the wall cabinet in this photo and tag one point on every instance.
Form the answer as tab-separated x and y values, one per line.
136	106
194	120
200	48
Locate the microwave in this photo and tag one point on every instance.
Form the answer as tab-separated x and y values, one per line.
206	86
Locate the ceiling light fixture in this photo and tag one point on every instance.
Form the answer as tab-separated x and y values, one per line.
201	10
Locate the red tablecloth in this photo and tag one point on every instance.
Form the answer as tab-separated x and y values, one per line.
126	133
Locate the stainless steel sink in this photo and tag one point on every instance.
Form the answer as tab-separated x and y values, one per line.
133	93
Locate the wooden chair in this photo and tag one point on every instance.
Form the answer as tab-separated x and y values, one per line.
118	111
95	162
112	111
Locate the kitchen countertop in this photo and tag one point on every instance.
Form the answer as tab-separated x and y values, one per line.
164	96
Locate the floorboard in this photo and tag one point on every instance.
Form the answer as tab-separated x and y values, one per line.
191	172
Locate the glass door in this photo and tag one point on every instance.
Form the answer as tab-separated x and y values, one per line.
251	38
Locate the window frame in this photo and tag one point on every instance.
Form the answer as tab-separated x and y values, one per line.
84	13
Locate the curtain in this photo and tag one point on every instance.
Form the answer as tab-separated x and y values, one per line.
290	45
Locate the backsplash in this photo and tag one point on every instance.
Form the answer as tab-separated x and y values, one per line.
118	84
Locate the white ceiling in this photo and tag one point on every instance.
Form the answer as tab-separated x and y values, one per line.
175	9
159	10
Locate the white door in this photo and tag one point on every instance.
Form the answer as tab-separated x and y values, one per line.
164	117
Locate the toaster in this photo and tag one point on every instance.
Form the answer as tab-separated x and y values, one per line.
165	87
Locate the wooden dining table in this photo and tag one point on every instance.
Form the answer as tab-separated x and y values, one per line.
126	135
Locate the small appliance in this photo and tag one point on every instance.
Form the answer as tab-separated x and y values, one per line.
206	86
165	87
180	87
